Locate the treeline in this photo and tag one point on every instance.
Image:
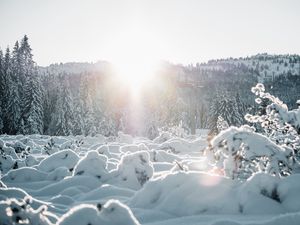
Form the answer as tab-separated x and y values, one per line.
60	101
21	91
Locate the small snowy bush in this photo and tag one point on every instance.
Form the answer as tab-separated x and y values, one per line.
134	170
112	212
242	152
277	122
92	164
13	211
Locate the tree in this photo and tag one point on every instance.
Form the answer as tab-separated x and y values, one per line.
243	151
63	115
86	105
32	94
10	107
2	91
227	108
32	114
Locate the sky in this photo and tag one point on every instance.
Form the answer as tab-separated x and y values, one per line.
179	31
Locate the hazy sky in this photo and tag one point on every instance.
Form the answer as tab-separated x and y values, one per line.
181	31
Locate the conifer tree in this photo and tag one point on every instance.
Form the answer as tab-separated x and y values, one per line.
33	105
62	117
32	96
2	88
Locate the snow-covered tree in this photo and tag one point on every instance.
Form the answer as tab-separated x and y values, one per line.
277	122
32	114
227	108
63	115
242	151
2	91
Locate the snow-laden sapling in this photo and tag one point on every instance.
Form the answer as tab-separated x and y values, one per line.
13	211
242	152
278	123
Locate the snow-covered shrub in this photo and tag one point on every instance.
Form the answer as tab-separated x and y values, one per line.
242	152
6	163
24	174
188	193
112	212
92	164
59	174
163	136
124	138
13	211
50	147
134	170
277	122
221	124
66	158
175	131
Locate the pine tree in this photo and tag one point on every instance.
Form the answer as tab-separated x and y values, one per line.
6	89
32	96
86	106
63	115
227	108
27	63
78	126
33	105
2	88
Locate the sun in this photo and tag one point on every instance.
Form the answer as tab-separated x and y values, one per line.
135	73
134	57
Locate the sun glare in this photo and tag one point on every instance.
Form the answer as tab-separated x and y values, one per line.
134	58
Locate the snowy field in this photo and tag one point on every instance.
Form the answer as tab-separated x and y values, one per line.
124	180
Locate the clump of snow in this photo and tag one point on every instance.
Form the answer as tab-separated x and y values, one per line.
6	163
64	158
201	193
259	195
240	150
134	170
59	173
92	164
24	174
13	211
112	212
124	138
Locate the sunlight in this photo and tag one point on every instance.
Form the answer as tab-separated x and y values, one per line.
135	73
134	57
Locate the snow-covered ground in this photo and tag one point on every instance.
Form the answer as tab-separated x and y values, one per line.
125	180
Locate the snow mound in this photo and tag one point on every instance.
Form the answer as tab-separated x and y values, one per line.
24	174
13	211
208	194
112	212
92	164
201	193
64	158
124	138
134	170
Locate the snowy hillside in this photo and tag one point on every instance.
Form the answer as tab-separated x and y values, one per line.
266	66
125	180
75	68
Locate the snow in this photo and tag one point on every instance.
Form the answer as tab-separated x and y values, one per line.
66	158
112	212
131	180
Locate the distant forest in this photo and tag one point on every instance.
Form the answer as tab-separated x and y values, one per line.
63	100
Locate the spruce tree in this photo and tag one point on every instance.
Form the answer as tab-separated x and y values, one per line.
63	115
2	88
86	106
33	105
6	87
32	96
